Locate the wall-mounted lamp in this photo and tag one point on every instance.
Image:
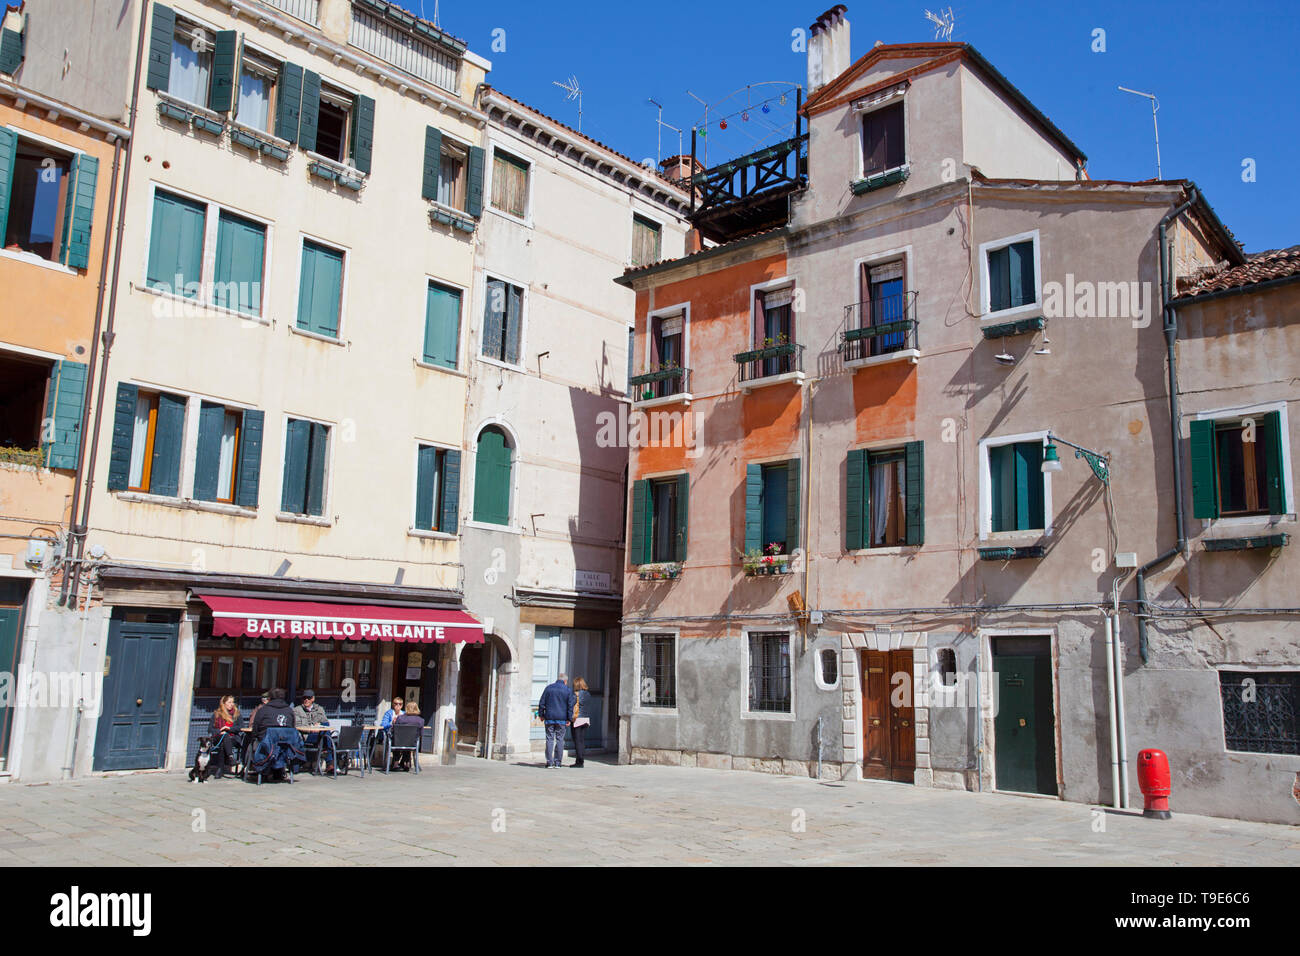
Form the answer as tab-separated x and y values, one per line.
1099	463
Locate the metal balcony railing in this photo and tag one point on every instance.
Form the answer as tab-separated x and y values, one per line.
879	327
660	383
770	360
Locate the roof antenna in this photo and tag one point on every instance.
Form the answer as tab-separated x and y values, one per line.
575	93
943	22
1155	105
660	157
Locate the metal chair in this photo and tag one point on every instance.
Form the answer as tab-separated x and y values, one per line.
352	744
403	738
318	742
252	749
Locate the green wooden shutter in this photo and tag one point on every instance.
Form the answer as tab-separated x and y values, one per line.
492	478
474	181
432	162
320	289
248	475
119	458
363	132
792	506
80	210
293	494
450	520
426	481
999	280
1269	431
855	500
1020	266
683	514
753	507
1205	492
212	420
11	51
225	67
241	256
442	326
8	152
169	430
514	320
309	110
162	31
1029	486
288	103
914	476
638	538
316	469
176	243
1002	488
68	389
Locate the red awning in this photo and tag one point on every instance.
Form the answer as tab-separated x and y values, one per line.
316	620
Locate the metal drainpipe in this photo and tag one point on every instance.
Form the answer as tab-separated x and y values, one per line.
84	524
1170	321
1110	699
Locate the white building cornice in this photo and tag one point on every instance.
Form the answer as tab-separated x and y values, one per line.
57	109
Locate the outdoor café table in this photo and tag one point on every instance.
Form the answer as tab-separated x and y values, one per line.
329	732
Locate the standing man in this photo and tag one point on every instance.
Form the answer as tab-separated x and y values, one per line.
556	708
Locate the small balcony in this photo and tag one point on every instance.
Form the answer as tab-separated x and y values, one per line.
661	386
770	365
883	330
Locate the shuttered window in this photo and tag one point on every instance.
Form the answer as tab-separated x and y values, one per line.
176	244
154	435
47	200
437	489
442	326
1238	467
1016	486
228	455
882	140
256	101
190	71
885	497
645	241
241	256
65	403
772	507
320	289
305	457
1011	277
493	464
660	520
509	184
502	320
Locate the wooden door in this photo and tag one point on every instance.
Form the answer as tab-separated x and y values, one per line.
137	692
1024	729
12	596
888	725
468	693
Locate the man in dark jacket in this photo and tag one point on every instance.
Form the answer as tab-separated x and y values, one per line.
555	708
276	712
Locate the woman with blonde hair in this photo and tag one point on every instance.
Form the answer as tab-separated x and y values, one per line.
412	716
224	733
580	719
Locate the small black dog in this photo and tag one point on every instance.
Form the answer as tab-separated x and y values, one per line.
199	772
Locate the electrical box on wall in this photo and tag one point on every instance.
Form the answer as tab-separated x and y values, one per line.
38	551
1126	559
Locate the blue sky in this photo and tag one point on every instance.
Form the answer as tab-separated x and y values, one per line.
1226	76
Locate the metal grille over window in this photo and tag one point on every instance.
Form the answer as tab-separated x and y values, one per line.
306	10
830	667
769	672
658	671
1260	711
372	34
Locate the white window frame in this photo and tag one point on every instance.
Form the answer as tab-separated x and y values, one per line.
1223	723
185	17
640	709
828	646
861	113
472	454
208	260
909	290
745	712
631	242
488	175
343	293
524	301
465	145
462	332
327	484
986	489
985	289
258	53
1247	411
411	529
30	257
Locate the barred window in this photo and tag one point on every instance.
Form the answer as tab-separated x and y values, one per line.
830	663
769	672
658	670
1260	711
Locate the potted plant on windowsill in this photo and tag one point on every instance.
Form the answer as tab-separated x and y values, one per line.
772	560
662	571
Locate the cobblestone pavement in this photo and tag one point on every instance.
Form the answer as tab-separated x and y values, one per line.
490	813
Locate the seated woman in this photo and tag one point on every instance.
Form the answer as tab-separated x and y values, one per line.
413	718
225	735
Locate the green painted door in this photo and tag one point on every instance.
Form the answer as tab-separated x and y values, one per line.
12	595
1024	731
492	478
137	691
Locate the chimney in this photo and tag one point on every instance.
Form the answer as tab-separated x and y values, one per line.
828	47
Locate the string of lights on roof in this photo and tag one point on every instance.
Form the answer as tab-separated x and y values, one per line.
763	106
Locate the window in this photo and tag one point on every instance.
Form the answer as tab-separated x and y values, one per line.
884	302
947	660
191	63
502	321
645	241
772	507
1261	711
886	497
442	326
305	457
658	670
437	489
41	402
882	140
256	104
1011	279
241	260
1016	486
774	326
667	352
769	672
493	464
452	176
509	184
38	196
660	508
178	238
320	289
228	455
156	434
333	124
1238	466
829	662
176	244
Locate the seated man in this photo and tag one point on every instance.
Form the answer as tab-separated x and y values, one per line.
274	713
277	745
311	715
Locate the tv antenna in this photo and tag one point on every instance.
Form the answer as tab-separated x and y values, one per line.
659	154
574	92
943	22
1155	105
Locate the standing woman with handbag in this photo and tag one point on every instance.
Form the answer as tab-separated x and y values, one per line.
580	719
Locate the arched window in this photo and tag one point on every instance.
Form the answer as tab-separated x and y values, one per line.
493	460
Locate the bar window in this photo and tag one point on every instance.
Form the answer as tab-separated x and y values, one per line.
769	672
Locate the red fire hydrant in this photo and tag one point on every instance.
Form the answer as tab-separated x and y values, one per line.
1153	778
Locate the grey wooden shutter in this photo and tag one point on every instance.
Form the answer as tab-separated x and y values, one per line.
514	320
119	458
12	45
426	477
169	429
293	494
212	420
432	162
753	507
316	470
914	478
474	182
225	68
162	31
309	111
450	520
250	459
288	102
363	132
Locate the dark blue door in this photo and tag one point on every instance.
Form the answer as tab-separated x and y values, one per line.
137	690
12	596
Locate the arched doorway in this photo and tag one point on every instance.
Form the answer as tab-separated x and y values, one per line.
480	695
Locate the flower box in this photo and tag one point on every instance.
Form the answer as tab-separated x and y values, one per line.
666	571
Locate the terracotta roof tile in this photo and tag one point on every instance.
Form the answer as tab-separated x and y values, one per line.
1258	267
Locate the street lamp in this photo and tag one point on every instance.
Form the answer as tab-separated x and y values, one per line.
1099	463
